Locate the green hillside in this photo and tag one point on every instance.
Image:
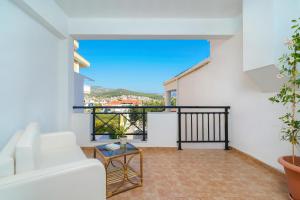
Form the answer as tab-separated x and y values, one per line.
107	93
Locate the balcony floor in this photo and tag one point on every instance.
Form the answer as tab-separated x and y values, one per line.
204	175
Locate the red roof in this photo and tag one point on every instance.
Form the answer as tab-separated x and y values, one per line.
124	101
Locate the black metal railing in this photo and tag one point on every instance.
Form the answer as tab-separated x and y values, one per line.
196	124
203	126
107	121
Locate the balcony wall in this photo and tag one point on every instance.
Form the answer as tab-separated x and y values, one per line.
162	131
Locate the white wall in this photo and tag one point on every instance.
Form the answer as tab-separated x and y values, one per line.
31	73
285	11
81	125
254	125
78	89
258	33
162	130
66	83
47	13
266	25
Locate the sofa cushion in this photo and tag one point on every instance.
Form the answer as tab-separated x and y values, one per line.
59	156
7	156
27	149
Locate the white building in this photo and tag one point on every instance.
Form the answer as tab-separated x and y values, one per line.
86	89
80	85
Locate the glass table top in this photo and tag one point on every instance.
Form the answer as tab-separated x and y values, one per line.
117	152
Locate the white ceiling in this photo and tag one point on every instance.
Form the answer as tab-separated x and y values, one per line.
151	8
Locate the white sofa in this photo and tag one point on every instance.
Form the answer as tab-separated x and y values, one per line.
50	166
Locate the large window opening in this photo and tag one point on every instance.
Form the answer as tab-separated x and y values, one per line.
129	74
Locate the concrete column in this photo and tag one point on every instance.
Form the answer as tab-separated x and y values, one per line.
66	83
167	100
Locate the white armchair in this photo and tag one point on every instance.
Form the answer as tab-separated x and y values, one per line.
57	140
77	181
52	167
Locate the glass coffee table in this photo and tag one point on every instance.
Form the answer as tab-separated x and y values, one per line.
123	170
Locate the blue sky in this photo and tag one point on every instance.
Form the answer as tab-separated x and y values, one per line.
140	65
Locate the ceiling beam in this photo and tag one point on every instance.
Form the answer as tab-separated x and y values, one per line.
159	28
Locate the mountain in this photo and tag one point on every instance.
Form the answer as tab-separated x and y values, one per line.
99	91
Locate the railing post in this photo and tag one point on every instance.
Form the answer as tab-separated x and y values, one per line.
226	130
94	124
144	125
179	129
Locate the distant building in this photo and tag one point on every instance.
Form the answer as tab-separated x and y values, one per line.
79	61
125	102
80	87
87	89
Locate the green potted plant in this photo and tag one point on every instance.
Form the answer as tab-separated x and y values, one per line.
289	96
121	131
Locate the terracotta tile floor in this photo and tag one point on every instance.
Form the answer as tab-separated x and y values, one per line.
204	175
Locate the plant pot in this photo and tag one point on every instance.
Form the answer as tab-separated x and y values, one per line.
123	140
113	136
292	173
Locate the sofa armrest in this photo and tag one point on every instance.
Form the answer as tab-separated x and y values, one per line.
58	140
81	180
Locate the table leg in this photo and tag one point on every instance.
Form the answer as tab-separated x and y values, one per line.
141	166
106	164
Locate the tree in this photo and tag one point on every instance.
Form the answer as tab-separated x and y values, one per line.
289	93
136	113
173	101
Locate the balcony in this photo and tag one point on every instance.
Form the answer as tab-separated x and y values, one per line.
181	124
194	172
221	142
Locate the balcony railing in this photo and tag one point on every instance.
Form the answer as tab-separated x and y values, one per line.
196	124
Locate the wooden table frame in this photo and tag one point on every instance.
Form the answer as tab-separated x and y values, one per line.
122	174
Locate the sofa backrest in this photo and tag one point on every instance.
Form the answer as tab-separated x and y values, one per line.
7	156
28	148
